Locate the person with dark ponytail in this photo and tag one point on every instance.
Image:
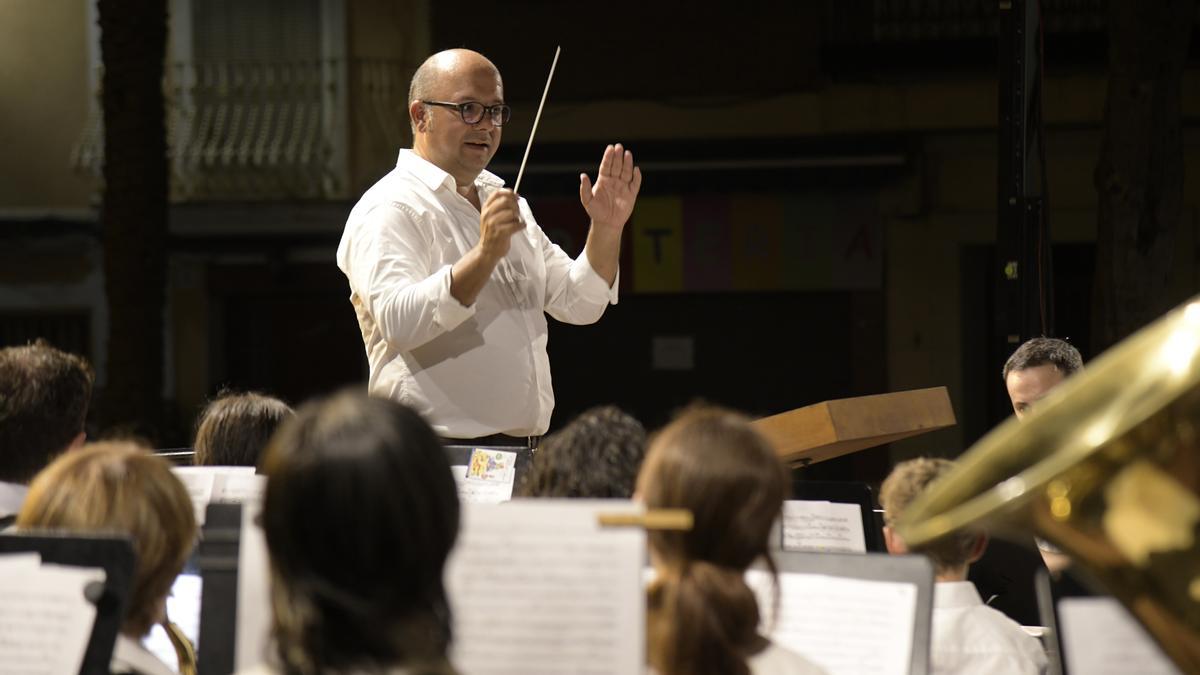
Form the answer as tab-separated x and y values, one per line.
702	618
360	514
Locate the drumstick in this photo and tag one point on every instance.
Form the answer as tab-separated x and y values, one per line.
536	119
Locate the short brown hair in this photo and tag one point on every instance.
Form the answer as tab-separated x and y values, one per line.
908	480
702	617
234	428
44	396
1043	351
120	488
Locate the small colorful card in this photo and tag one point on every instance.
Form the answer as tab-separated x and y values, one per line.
492	465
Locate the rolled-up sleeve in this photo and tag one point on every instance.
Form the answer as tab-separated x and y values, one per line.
575	292
388	261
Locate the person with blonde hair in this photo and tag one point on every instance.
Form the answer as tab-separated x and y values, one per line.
121	488
967	635
702	617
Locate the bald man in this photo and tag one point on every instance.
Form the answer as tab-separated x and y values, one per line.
450	275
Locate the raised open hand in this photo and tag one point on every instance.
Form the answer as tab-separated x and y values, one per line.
610	202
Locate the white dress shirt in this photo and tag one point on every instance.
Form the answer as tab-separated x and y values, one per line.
970	637
470	371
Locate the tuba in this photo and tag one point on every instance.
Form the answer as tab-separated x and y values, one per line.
1108	469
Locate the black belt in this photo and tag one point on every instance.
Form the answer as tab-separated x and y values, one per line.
501	440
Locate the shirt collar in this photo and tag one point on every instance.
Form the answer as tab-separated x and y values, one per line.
962	594
433	177
130	653
11	497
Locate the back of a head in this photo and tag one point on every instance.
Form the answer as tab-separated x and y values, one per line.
1042	351
360	514
120	488
235	427
596	456
44	396
904	484
704	618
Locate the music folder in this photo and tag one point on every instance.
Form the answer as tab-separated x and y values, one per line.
114	555
850	613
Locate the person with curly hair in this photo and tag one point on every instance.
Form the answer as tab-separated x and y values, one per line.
595	456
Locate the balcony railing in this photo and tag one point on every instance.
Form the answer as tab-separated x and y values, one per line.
256	131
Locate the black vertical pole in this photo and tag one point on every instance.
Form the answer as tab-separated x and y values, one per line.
1024	298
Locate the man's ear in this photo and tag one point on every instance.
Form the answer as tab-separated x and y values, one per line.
895	545
418	112
977	549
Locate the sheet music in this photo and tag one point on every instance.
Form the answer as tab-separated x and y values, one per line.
238	488
827	527
183	608
45	619
200	485
847	626
253	593
12	562
537	587
487	478
209	483
1100	637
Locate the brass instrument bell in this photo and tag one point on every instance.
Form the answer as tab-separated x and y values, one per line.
1108	469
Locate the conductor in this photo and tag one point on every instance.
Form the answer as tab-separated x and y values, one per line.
450	275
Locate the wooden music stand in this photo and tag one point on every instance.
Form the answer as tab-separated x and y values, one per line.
839	427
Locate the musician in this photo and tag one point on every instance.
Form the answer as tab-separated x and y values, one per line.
1038	366
359	516
234	428
121	488
595	456
968	636
701	617
451	276
44	396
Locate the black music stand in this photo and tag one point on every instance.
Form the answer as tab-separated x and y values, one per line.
112	554
217	562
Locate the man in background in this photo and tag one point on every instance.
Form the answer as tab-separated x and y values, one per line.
1038	366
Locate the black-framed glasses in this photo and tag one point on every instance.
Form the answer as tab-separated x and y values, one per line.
473	111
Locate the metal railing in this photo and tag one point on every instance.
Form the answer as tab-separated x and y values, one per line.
239	130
